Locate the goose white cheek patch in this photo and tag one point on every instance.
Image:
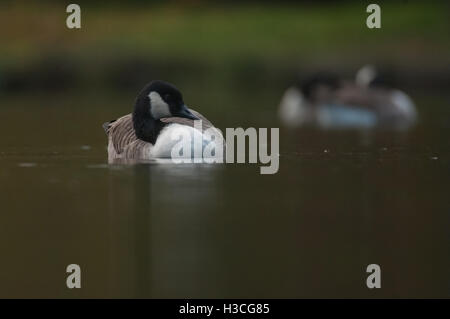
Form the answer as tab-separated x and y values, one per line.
159	108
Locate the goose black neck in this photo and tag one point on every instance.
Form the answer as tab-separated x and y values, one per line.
145	126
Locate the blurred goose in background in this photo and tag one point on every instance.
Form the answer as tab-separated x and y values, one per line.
328	102
149	132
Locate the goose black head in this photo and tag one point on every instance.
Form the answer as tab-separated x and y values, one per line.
160	99
157	100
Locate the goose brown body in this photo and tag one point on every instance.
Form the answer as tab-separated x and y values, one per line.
124	144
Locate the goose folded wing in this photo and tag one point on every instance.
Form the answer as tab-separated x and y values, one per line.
206	124
121	133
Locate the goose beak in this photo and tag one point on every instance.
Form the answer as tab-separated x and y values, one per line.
184	112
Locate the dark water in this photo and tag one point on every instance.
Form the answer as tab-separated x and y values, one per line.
339	202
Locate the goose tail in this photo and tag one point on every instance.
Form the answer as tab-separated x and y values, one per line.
107	126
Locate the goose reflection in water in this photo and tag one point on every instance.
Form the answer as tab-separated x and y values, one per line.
169	211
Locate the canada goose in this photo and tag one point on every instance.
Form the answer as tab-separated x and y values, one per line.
331	103
149	132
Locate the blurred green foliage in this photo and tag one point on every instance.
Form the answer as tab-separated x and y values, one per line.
219	32
121	43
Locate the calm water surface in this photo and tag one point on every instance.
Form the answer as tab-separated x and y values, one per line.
339	202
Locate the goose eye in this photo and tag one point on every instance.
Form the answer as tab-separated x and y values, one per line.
167	97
